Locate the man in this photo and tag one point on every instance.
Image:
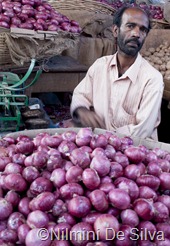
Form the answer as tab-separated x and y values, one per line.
122	92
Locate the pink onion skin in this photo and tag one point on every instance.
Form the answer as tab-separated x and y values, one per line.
74	174
148	180
68	191
22	232
128	185
90	178
147	193
165	199
114	141
164	181
80	158
23	206
103	222
161	212
101	164
59	207
11	184
86	229
119	198
37	219
84	137
144	209
134	154
163	227
15	220
8	237
58	177
67	218
91	217
39	185
99	200
6	209
98	141
44	202
132	171
121	159
129	217
12	197
33	239
79	206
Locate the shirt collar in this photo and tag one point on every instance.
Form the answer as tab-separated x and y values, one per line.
133	70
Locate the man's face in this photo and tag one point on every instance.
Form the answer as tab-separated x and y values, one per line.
132	32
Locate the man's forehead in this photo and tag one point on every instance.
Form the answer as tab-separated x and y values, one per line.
133	15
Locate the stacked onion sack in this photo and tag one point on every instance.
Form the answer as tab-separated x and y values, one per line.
155	11
34	15
83	189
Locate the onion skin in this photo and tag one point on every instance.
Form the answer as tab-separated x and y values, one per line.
81	233
103	223
90	178
6	209
99	200
119	198
33	238
79	206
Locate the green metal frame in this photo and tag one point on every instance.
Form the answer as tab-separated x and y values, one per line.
11	88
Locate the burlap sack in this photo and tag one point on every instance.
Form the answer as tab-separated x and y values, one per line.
89	49
92	23
166	10
23	48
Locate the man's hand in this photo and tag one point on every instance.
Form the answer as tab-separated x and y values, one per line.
89	118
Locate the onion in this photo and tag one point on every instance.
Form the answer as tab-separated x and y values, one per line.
41	184
22	232
74	174
12	197
68	191
15	220
119	198
58	177
11	184
91	217
44	202
164	181
116	170
30	173
6	209
132	172
106	224
165	199
59	207
121	159
23	206
90	178
98	141
82	233
80	158
37	219
129	186
33	238
144	209
8	237
129	217
154	169
99	200
147	193
79	206
114	141
101	164
148	180
134	154
161	212
67	218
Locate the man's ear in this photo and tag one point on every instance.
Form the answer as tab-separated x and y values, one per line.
115	31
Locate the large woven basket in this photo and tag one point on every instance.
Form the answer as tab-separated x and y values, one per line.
87	5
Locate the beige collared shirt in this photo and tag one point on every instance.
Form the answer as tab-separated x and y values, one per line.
129	104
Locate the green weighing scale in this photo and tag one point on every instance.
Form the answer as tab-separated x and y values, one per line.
12	97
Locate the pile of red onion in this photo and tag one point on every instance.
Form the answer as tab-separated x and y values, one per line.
83	189
155	11
34	15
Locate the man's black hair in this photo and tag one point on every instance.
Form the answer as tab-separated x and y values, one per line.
118	16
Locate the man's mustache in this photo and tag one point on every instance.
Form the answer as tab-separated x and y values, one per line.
133	40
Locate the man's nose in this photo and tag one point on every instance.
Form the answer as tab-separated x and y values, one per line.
136	31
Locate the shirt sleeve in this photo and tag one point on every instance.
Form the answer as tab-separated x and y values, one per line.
83	93
148	116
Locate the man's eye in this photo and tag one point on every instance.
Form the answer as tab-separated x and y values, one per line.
130	26
144	30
